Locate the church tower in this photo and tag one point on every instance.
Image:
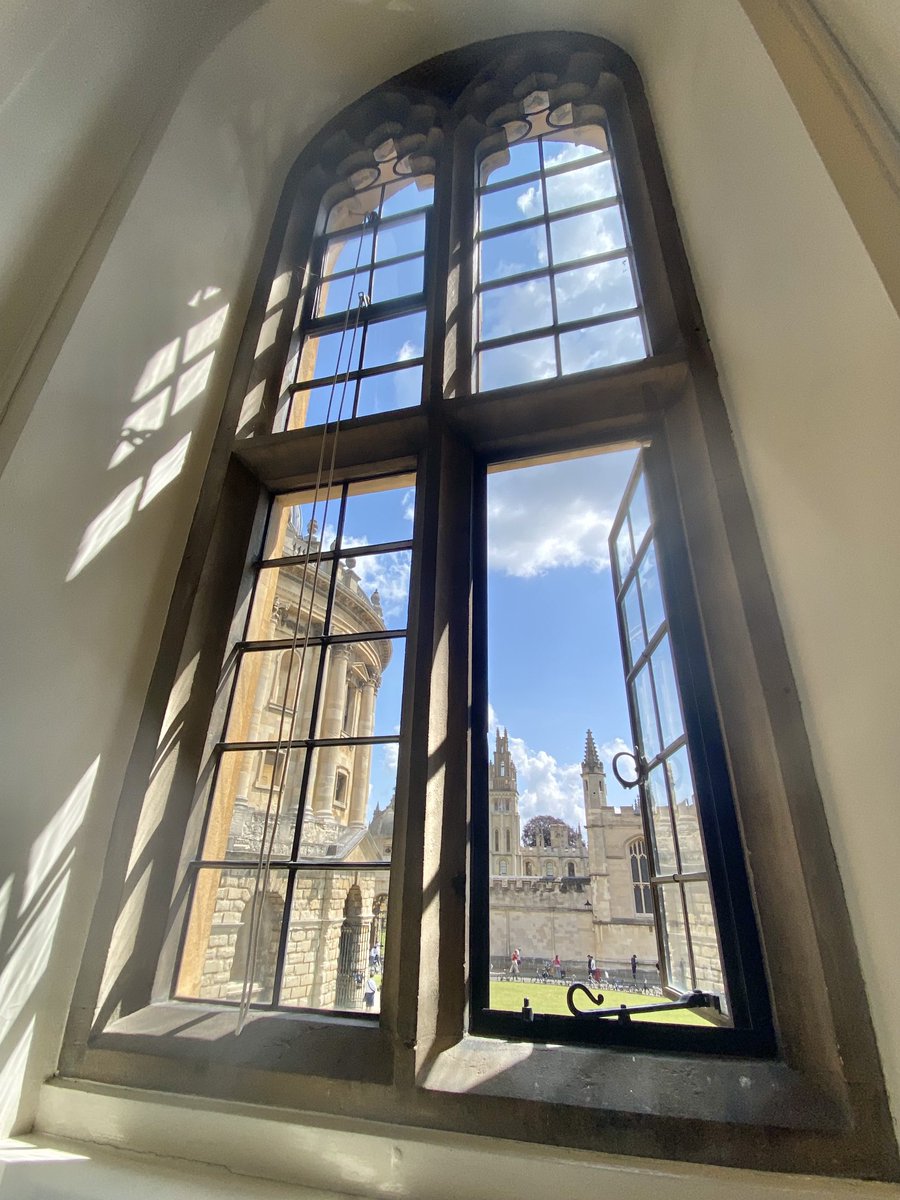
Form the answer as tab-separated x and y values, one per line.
503	800
593	776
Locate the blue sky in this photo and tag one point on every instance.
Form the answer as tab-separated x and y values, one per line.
554	660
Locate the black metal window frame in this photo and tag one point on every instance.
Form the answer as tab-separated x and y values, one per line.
295	863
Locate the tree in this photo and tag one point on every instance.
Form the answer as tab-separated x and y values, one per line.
536	833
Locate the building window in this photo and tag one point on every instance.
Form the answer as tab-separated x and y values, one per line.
431	346
508	841
640	878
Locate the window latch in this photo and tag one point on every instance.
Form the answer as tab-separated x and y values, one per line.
623	1014
639	767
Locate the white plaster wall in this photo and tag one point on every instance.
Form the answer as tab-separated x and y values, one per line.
805	340
808	349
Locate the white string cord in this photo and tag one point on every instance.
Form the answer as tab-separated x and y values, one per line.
270	821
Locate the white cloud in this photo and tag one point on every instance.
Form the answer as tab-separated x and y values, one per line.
554	515
389	574
407	351
546	785
529	202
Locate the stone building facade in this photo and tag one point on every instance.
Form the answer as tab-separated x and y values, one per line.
337	915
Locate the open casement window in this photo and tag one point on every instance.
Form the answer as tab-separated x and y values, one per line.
689	954
474	363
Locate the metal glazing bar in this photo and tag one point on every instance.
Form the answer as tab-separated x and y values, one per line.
531	222
511	339
352	376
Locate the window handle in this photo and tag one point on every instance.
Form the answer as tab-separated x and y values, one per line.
638	763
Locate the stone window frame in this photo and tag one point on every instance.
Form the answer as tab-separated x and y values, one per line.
818	1105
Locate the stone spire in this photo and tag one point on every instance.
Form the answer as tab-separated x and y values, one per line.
503	769
591	757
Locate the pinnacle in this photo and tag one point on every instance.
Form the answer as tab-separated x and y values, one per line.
591	757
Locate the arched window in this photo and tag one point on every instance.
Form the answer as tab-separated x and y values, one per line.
640	878
461	286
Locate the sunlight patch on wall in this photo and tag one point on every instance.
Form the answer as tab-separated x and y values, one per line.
165	470
58	834
104	527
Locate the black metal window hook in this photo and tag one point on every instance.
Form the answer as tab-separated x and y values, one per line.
640	767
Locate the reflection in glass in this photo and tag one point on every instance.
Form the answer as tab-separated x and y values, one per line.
394	341
643	689
400	237
677	951
663	838
397	279
704	941
376	513
648	572
634	624
667	693
687	817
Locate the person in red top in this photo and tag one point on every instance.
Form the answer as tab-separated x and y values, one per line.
514	963
557	966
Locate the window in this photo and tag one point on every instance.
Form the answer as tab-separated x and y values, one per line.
640	878
472	293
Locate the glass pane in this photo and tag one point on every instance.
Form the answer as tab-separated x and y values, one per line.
334	958
296	522
571	144
646	713
522	158
581	185
362	689
418	193
523	362
663	838
401	237
347	251
513	253
394	341
248	786
390	391
704	942
602	346
624	553
550	785
639	511
373	594
687	818
667	692
349	810
377	513
332	354
587	234
675	943
400	279
270	682
516	203
336	295
284	592
648	572
585	292
215	955
516	309
633	624
315	406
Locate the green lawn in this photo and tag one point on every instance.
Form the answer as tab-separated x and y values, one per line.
551	998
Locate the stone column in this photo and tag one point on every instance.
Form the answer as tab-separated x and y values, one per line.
362	760
330	725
